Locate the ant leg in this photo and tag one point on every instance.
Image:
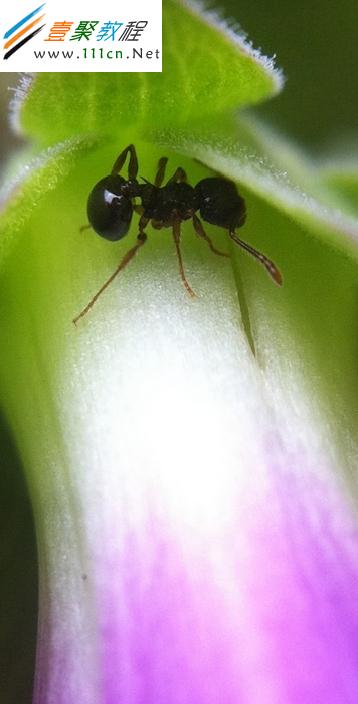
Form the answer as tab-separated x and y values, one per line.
176	237
201	233
85	227
141	239
159	178
270	267
179	176
133	162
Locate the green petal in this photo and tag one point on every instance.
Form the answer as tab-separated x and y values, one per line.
189	88
342	180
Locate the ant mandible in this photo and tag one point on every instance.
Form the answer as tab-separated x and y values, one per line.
110	208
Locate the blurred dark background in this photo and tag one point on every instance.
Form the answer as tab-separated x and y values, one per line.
18	577
316	43
8	140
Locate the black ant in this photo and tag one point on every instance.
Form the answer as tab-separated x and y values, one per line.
110	208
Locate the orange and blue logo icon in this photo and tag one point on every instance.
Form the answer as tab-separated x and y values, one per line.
20	33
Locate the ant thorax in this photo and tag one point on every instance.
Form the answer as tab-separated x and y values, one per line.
174	202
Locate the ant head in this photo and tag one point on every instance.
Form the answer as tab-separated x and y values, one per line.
109	211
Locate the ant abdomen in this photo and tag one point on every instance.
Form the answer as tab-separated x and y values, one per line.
109	211
220	203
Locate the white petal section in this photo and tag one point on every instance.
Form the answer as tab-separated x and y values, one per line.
202	549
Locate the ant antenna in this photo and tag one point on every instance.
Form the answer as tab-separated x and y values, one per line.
270	267
133	162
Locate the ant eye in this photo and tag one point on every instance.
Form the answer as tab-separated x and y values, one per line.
108	210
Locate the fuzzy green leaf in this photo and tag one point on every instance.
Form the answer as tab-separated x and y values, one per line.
230	76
